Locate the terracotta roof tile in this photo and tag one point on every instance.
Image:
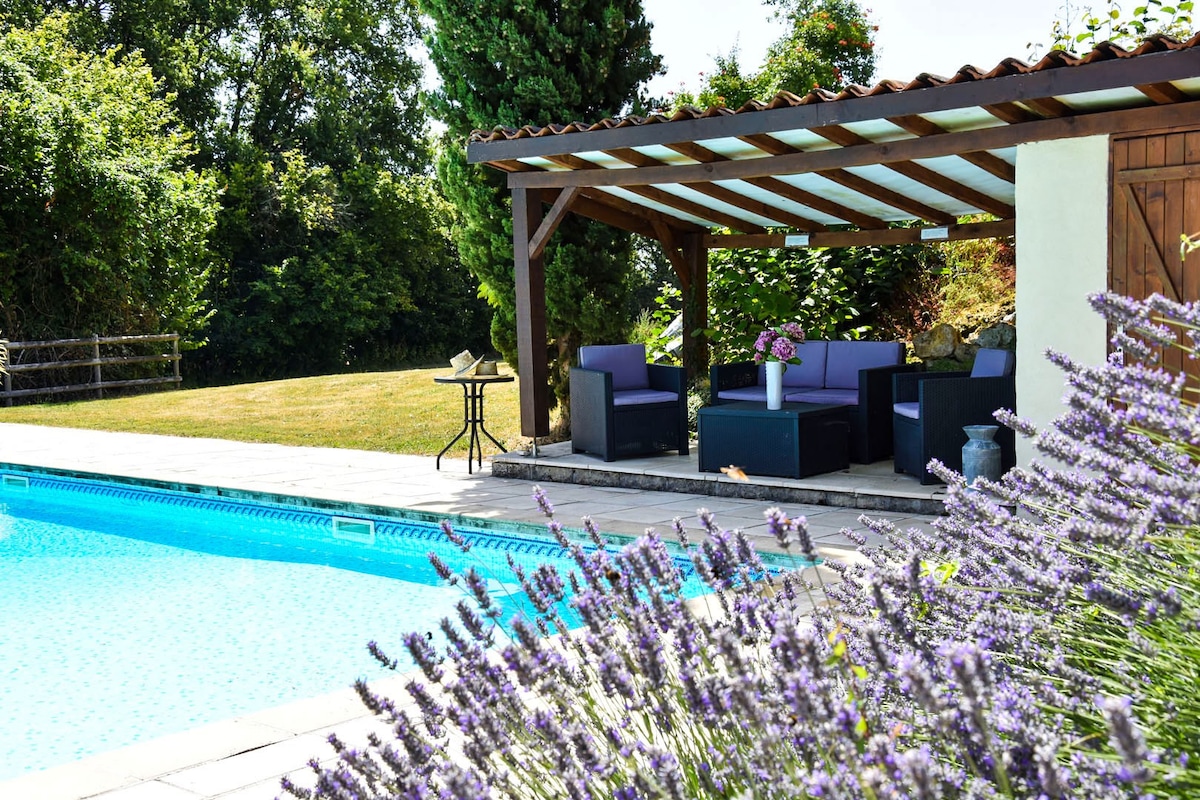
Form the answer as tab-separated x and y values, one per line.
758	105
887	87
1054	59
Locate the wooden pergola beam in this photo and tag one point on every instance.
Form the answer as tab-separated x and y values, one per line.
798	195
761	209
1162	93
919	126
554	218
695	209
948	233
633	214
946	144
886	196
769	144
695	307
922	175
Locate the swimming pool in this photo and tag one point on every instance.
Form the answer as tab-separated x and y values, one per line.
129	613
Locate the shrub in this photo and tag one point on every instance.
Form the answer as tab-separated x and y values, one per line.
834	293
978	286
1042	640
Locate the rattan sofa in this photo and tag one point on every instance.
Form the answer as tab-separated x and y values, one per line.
854	374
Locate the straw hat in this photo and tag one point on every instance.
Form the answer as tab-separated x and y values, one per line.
487	368
464	362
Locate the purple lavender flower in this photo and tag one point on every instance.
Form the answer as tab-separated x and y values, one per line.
975	658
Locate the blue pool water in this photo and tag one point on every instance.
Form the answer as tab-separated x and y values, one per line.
127	614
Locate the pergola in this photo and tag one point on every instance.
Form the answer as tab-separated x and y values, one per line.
823	170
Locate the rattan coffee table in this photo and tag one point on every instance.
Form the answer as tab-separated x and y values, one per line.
799	440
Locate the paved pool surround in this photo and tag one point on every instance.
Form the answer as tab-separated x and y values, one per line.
244	758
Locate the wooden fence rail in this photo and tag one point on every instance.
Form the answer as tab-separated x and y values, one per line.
96	361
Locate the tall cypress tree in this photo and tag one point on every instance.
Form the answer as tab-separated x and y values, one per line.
536	62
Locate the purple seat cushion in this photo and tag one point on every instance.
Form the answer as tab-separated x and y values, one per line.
637	397
845	359
756	394
990	363
910	410
836	397
626	362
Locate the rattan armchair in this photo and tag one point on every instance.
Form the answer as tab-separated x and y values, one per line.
623	407
931	408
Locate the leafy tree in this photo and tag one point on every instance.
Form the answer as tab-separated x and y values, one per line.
537	62
334	78
1087	26
327	246
103	226
330	235
828	44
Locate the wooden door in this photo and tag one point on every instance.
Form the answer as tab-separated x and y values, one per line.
1156	201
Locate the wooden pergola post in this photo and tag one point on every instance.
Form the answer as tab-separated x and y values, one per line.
695	305
530	277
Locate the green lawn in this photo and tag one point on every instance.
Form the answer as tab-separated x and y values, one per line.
394	412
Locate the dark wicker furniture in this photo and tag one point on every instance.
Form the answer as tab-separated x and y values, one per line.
931	409
857	375
799	440
623	407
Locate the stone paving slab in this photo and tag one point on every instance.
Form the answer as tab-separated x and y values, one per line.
243	759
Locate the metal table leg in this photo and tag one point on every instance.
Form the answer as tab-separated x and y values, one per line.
466	422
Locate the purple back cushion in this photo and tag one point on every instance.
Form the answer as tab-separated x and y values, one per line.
845	359
991	363
626	362
811	370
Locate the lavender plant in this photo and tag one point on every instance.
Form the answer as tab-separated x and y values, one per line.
1041	640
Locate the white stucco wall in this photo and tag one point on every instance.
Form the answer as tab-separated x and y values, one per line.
1062	256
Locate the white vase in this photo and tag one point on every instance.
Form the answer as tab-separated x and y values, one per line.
775	385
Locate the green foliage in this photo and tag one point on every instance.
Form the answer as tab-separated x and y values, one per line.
307	114
726	85
519	63
332	78
978	285
329	275
1082	28
828	43
833	293
103	226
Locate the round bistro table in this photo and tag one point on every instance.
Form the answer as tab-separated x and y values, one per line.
472	386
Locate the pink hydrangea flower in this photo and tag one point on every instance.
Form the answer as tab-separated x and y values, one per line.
778	344
793	331
783	349
763	343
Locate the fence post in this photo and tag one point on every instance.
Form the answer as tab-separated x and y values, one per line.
5	372
96	378
175	353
